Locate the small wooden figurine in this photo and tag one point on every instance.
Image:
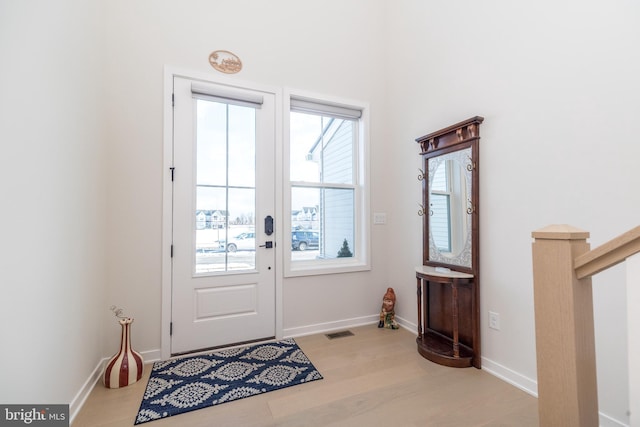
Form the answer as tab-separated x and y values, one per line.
388	314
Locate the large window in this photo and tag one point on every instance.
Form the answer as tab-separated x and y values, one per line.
327	187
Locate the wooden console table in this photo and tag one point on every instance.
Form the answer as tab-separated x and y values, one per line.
445	336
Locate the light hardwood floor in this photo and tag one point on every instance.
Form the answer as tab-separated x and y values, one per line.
374	378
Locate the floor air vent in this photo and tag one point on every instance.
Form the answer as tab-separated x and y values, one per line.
340	334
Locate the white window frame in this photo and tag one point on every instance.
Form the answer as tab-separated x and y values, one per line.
361	259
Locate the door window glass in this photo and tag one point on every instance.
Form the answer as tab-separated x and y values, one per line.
225	187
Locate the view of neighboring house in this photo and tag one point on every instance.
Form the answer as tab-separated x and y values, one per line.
334	152
305	218
210	219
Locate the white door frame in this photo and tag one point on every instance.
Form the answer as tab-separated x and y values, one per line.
167	197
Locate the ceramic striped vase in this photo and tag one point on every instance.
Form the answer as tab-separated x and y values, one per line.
126	366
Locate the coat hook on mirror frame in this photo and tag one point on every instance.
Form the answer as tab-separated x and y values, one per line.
421	210
471	166
470	209
421	176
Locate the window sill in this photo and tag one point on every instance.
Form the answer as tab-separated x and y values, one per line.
320	267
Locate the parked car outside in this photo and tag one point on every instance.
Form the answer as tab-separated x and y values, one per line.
243	241
304	239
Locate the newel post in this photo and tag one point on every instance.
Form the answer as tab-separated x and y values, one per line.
565	345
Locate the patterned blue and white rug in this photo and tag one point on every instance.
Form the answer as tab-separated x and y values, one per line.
195	382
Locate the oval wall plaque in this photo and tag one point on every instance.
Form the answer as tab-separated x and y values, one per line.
225	61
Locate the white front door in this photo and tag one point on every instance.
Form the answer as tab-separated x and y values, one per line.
223	265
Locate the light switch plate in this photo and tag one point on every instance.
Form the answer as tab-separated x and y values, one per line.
379	218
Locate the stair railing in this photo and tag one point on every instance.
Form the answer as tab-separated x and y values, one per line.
563	265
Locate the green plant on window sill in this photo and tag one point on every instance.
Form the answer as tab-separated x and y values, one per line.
344	251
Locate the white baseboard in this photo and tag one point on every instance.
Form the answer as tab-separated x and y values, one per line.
507	375
409	326
530	386
151	356
82	395
95	376
320	328
607	421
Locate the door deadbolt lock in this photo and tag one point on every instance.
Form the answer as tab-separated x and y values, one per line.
268	225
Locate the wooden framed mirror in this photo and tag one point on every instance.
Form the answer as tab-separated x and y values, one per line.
448	279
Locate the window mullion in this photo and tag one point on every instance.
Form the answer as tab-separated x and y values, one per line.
303	184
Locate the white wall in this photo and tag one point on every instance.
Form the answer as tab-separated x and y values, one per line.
557	85
53	194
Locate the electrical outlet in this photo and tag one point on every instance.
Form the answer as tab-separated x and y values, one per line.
494	320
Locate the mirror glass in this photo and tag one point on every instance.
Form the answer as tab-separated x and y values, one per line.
450	208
